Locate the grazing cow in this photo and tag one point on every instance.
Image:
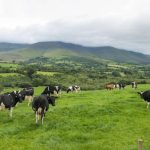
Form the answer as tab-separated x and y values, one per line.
40	105
52	90
73	88
134	84
121	85
27	93
146	96
9	101
110	86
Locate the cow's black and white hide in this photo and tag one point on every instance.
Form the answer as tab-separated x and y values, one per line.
121	85
52	90
134	85
40	105
9	101
27	93
146	96
73	88
117	86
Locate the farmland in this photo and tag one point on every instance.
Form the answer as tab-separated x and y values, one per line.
93	74
8	74
100	119
47	73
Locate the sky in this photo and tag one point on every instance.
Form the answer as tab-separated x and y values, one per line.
120	23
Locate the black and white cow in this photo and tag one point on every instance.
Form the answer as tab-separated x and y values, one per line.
121	85
9	101
27	93
134	84
146	96
52	90
40	105
73	88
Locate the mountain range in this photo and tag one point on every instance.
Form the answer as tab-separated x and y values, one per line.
21	52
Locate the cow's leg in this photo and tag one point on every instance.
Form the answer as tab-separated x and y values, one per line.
59	93
10	112
30	100
2	106
56	93
36	117
42	117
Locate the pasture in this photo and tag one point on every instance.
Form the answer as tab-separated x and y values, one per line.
12	66
89	120
8	65
8	74
47	73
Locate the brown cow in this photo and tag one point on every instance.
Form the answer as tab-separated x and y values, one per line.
110	86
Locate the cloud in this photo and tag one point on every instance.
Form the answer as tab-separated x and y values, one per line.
121	23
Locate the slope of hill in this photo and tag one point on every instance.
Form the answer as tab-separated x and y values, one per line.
10	51
11	46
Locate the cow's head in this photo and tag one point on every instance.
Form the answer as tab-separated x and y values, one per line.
22	95
51	100
16	96
141	94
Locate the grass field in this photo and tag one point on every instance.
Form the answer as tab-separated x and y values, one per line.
47	73
8	65
8	74
89	120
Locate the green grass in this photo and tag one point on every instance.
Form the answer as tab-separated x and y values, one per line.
116	66
8	74
30	53
89	120
59	53
8	65
47	73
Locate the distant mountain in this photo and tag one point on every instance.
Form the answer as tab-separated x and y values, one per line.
11	46
9	51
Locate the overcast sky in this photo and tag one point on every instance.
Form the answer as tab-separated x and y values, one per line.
119	23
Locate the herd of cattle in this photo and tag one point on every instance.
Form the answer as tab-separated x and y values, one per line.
40	104
111	86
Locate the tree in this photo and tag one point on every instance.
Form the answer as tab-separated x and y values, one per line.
30	72
116	74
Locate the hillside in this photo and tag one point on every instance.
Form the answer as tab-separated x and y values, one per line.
11	46
9	52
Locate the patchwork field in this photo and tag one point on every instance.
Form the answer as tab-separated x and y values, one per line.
3	64
89	120
8	74
47	73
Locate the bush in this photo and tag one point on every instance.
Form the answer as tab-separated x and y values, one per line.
24	84
6	84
